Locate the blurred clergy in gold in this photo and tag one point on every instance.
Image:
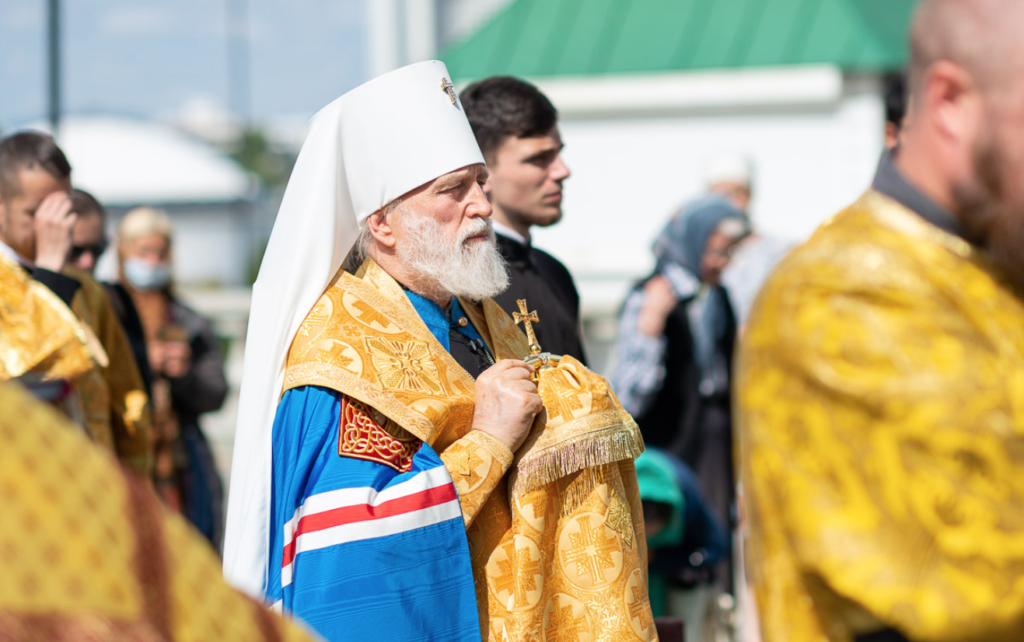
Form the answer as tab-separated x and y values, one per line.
45	300
408	465
90	553
882	375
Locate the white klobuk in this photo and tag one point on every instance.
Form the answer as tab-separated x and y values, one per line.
367	148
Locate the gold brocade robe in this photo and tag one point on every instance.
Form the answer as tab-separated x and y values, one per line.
556	532
41	339
881	406
89	553
114	398
39	335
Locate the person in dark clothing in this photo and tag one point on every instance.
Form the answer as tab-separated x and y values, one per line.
88	243
516	127
676	336
188	373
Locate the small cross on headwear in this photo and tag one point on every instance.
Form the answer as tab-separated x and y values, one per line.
449	88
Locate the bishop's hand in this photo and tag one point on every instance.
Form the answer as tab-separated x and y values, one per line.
506	402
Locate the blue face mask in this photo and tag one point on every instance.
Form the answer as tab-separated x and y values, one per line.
146	276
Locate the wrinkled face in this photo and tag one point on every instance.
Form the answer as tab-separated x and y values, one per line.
17	211
717	254
154	249
455	202
526	179
444	241
88	241
991	202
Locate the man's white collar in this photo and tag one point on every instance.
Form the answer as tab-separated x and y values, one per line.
9	252
508	232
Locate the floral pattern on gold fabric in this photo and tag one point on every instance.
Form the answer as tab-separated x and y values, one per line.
880	403
404	365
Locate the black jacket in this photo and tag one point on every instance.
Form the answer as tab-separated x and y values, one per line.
549	289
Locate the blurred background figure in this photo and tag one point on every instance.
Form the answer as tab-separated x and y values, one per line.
88	243
516	127
676	338
89	236
732	177
895	109
36	223
188	372
685	540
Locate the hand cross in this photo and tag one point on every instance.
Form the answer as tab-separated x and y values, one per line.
526	318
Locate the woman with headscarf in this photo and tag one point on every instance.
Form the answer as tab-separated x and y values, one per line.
676	336
188	373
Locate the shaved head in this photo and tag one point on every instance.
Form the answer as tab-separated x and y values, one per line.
981	36
963	144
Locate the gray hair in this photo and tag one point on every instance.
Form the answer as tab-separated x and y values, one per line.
361	248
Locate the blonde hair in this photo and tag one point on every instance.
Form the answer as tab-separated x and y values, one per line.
144	221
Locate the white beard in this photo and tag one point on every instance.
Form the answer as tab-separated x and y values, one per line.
437	266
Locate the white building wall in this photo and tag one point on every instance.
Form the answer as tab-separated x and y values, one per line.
630	173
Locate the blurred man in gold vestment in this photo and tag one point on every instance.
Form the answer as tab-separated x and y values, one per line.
882	376
89	553
36	221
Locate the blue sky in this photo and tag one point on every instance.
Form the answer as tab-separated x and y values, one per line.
149	57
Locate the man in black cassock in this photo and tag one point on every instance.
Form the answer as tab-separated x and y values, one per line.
516	127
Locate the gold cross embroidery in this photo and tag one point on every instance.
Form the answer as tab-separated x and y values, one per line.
518	573
526	318
591	550
638	609
448	88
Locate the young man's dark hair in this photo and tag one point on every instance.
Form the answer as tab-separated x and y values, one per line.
895	108
502	106
516	127
896	100
29	150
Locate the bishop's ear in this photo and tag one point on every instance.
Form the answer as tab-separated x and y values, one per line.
380	228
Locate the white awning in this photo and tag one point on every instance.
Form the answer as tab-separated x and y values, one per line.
127	162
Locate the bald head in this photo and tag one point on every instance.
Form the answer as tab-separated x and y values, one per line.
963	145
980	36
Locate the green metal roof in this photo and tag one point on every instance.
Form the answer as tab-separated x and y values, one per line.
535	38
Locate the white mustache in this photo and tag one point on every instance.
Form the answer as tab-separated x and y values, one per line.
477	227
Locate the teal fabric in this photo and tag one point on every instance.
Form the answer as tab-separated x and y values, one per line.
657	479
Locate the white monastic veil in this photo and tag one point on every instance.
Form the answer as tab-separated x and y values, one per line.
365	149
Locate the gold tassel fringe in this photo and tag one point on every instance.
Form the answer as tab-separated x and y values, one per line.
584	451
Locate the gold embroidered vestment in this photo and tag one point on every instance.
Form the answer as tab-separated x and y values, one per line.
881	405
556	530
91	554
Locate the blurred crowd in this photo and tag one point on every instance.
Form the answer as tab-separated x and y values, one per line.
132	369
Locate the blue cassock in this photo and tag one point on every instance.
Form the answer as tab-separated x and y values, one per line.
359	551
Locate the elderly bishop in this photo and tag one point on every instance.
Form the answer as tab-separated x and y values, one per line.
407	465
